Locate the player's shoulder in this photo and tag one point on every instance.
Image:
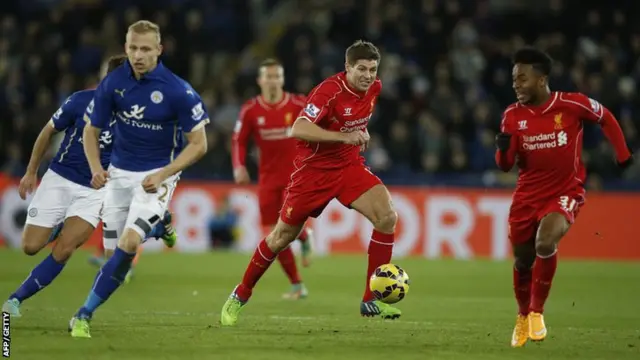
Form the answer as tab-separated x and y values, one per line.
179	86
578	100
249	104
117	76
511	110
297	99
332	84
377	84
79	99
572	97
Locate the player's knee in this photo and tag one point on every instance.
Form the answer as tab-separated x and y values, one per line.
524	263
524	255
387	221
31	248
63	250
130	241
545	246
547	240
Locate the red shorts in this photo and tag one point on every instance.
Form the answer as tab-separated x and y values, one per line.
525	218
270	202
311	190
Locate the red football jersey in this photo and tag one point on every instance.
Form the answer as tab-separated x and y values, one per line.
334	105
269	126
547	143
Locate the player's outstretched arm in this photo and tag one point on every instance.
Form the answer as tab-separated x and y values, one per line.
91	146
306	130
29	181
613	132
195	149
40	147
591	110
505	152
241	135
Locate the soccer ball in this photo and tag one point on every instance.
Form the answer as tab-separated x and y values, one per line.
389	283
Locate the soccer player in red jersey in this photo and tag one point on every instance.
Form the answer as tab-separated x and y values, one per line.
331	132
542	134
267	119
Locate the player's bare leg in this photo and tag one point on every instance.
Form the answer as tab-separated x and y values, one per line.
109	278
552	228
287	260
524	255
376	205
75	233
280	237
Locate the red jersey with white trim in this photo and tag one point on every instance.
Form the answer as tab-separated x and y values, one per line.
336	106
547	142
269	126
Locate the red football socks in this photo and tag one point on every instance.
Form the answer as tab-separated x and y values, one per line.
303	235
544	268
380	251
522	289
260	262
288	262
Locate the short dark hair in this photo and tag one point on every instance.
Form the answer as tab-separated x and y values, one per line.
115	61
269	62
362	50
538	59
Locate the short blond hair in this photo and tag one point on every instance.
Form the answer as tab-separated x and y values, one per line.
145	26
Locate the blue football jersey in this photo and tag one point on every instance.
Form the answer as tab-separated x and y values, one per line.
151	115
70	162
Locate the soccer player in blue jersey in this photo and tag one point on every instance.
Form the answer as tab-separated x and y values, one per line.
64	195
153	110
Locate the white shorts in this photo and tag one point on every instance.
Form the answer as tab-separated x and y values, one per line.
58	198
128	206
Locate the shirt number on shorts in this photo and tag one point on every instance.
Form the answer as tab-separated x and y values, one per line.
567	204
165	191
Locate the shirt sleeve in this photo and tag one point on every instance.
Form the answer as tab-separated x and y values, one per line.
241	134
588	108
100	109
506	159
191	112
66	114
319	102
591	110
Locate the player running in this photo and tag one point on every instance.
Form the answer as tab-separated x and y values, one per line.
267	119
331	131
64	195
154	109
543	131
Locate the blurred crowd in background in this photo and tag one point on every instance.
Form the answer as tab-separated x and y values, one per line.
445	69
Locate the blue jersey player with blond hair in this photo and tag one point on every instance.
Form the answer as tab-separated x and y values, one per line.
154	110
64	195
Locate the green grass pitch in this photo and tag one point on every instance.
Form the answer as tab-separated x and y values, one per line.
454	310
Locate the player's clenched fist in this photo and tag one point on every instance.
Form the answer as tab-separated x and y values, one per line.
27	185
99	179
503	141
355	138
241	175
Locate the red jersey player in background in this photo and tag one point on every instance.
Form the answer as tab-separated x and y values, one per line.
331	131
542	133
267	119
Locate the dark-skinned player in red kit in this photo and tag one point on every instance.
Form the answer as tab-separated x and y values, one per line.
542	134
331	133
267	119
